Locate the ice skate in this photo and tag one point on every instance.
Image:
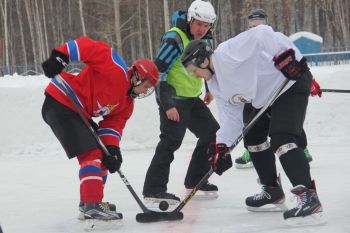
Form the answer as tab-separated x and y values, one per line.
308	210
152	201
108	205
99	216
207	191
244	161
270	199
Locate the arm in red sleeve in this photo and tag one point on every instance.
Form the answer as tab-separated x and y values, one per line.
92	53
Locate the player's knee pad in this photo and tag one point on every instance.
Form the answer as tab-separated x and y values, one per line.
259	147
283	143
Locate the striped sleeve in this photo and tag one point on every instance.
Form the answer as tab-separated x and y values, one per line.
169	51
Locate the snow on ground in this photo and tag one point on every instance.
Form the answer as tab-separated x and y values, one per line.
39	186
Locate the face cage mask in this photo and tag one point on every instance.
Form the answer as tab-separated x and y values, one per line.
149	91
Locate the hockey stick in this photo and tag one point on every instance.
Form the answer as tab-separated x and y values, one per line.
144	217
157	216
335	90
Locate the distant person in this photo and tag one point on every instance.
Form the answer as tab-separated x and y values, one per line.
105	88
249	68
255	18
181	108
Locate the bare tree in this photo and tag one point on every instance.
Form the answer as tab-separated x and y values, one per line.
166	15
150	46
81	13
22	37
29	29
6	36
117	30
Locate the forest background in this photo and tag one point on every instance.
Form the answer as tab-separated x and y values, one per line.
29	29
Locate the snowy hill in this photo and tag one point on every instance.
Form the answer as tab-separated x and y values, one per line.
40	187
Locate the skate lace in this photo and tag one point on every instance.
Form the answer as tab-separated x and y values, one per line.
263	194
105	206
301	200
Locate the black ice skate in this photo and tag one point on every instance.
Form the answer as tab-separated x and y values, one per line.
98	215
244	161
110	206
308	210
152	200
270	199
100	211
207	191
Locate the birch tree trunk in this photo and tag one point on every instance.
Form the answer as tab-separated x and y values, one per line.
20	25
117	27
81	12
39	34
150	45
31	30
45	43
166	15
6	44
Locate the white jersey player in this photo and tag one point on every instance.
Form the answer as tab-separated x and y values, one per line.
250	67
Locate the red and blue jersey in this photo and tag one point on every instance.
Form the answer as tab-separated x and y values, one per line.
100	88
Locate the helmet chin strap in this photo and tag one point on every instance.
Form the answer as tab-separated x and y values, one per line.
131	91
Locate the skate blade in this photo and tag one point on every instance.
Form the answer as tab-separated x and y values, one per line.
311	220
95	224
244	166
203	195
269	208
153	204
81	216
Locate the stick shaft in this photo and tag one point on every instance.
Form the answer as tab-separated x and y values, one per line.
336	90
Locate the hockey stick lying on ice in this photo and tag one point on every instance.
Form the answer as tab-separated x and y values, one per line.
335	90
153	215
145	217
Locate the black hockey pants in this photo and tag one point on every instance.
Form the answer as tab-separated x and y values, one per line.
68	127
283	122
195	116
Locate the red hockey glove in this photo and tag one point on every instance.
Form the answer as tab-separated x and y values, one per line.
289	66
219	157
315	89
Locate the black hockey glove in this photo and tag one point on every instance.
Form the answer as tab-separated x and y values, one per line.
289	66
219	157
55	64
113	162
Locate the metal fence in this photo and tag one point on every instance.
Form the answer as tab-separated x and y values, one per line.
326	59
35	69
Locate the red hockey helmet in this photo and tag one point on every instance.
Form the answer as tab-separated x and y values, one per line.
147	70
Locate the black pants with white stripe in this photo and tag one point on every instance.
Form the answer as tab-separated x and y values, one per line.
283	123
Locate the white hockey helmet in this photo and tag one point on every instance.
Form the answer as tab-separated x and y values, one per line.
202	11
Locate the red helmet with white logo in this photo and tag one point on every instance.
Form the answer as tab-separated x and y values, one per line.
147	70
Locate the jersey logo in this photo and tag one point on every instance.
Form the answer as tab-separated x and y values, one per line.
237	99
102	111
